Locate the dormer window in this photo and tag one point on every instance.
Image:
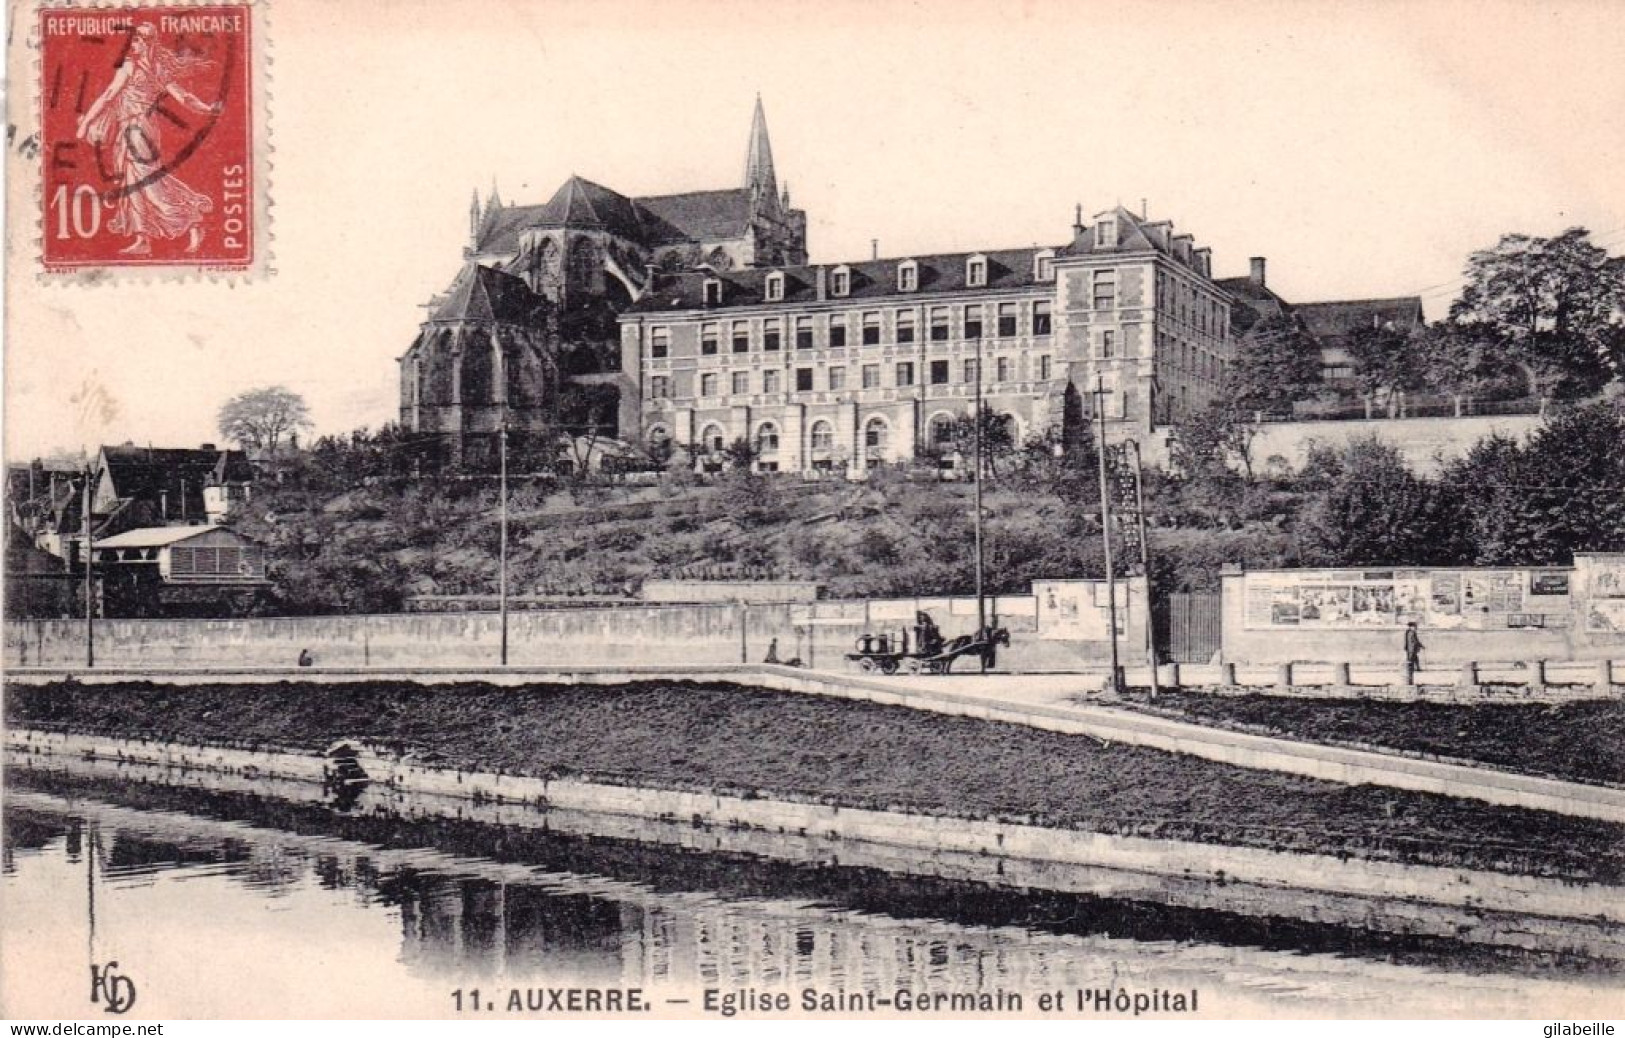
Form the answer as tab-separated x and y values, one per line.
713	292
1044	266
1106	234
775	288
908	276
840	281
976	271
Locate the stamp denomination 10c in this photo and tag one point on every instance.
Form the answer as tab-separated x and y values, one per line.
148	139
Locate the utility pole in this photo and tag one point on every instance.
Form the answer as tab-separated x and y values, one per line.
981	599
502	555
1114	684
90	580
1145	566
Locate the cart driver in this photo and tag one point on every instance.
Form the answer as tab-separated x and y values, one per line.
926	635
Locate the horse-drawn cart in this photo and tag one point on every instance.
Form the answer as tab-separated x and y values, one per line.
889	653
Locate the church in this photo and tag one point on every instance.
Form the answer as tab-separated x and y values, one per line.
684	324
526	335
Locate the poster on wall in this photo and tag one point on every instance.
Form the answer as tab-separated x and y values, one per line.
1547	583
1608	578
1606	615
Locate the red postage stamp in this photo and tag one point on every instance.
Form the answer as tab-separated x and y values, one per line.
148	137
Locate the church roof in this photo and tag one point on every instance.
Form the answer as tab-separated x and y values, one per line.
870	279
700	215
482	293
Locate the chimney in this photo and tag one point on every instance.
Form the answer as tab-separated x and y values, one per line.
821	279
1077	220
874	248
207	447
1257	274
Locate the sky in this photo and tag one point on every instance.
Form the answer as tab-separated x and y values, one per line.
1364	148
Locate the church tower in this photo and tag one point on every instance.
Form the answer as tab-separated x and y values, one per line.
779	232
759	178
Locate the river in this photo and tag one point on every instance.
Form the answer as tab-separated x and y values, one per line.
249	906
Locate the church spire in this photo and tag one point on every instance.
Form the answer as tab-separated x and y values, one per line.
759	178
474	215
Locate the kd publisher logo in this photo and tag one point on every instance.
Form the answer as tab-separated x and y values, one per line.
111	986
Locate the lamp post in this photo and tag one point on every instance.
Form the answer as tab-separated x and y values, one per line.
981	600
502	553
1145	565
90	580
1113	683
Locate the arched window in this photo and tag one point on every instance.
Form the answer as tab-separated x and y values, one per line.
712	439
941	430
476	382
823	436
767	438
659	436
874	436
583	262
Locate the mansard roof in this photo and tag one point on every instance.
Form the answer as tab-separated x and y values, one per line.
1132	236
870	279
484	294
700	215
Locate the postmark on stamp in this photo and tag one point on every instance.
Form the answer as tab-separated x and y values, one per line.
148	138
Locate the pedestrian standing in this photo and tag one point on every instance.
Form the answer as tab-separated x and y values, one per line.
1413	650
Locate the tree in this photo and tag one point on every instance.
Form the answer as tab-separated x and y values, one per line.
1466	360
1538	503
998	438
1366	507
1277	363
1205	444
1387	361
260	419
1556	305
1077	434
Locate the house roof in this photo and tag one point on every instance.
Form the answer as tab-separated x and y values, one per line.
870	279
147	473
1341	317
160	536
482	293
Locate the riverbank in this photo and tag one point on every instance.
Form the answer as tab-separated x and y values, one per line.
1576	742
740	741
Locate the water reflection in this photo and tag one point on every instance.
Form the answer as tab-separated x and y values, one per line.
392	914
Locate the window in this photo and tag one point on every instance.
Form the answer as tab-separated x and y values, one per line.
939	324
770	381
660	387
741	383
941	432
708	340
804	380
837	331
871	376
871	329
775	287
973	321
1004	370
837	378
767	439
741	337
874	435
1108	343
1044	266
908	276
1007	320
804	333
771	333
971	369
823	436
659	342
905	326
1041	317
840	282
1105	290
711	439
939	373
713	292
905	373
708	384
1043	368
976	271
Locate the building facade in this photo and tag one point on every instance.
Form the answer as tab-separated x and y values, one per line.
845	366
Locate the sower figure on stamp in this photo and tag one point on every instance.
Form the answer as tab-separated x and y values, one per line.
1413	651
151	200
